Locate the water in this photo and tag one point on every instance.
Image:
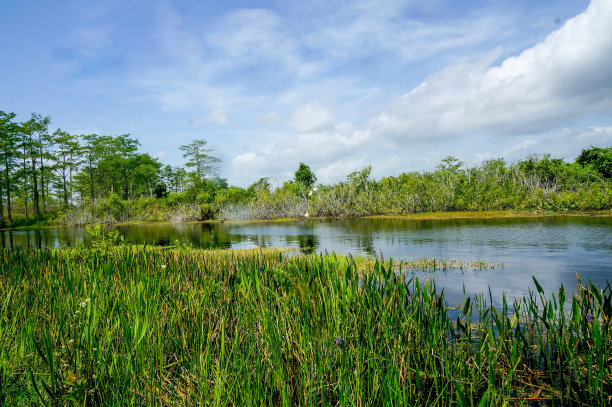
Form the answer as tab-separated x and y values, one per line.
553	249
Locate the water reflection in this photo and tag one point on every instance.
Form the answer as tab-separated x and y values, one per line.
553	249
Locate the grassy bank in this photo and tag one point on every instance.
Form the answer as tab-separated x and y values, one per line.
492	214
415	216
120	326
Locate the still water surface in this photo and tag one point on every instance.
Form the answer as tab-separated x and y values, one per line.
552	248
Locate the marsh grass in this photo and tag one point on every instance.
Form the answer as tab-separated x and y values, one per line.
144	326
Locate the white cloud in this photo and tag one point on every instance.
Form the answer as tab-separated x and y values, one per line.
557	80
596	136
246	34
269	118
160	154
311	118
531	96
217	116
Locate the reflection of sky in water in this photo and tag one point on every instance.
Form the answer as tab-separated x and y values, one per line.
553	249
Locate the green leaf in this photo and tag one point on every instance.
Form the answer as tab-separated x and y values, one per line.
538	286
484	399
466	306
460	396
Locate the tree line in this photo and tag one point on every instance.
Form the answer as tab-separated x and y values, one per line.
537	183
58	177
43	172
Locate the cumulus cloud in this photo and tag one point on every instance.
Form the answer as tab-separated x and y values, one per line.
326	151
557	80
311	118
528	99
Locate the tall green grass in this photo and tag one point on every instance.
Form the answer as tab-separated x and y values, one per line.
126	326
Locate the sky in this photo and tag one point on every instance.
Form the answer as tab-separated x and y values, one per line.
338	85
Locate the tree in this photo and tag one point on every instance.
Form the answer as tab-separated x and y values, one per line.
8	154
117	165
450	164
179	179
66	156
8	149
600	159
26	147
200	159
92	151
304	176
145	175
262	185
34	135
41	129
360	179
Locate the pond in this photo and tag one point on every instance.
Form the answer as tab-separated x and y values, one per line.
553	248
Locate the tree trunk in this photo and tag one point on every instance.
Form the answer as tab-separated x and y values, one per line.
35	185
25	188
64	185
71	198
8	190
91	183
2	224
42	176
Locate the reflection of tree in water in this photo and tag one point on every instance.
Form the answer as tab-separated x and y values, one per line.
366	244
255	240
216	241
38	239
163	241
307	243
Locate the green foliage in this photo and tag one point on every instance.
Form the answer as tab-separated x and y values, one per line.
600	159
119	325
262	185
305	176
93	178
539	183
101	242
200	159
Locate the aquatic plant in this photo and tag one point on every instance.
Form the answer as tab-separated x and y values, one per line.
136	326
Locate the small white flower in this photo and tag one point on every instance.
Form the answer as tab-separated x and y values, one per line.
306	215
163	266
71	341
315	189
310	193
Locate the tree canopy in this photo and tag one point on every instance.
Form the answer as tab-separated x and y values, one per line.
200	159
600	159
305	176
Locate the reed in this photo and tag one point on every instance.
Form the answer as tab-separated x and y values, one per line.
143	326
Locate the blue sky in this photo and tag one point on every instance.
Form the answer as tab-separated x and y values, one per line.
336	84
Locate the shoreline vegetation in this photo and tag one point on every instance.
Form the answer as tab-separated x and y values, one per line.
508	213
538	185
112	324
57	178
